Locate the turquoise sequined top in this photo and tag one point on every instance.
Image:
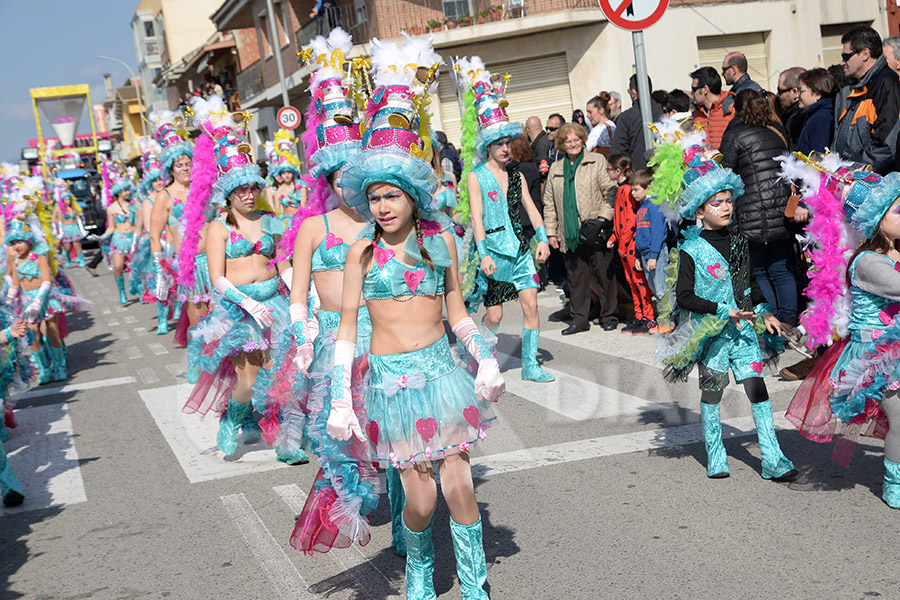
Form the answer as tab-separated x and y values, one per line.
238	247
28	268
867	309
177	210
331	253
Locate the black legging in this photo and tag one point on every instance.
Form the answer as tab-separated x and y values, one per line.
96	259
755	387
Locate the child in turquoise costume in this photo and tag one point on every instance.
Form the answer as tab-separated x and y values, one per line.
421	405
250	308
718	306
10	374
142	282
67	215
506	267
289	192
856	381
121	218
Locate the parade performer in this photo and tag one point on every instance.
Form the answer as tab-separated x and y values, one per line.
445	199
168	211
855	383
67	216
420	404
43	300
506	268
11	375
714	302
250	307
289	192
143	278
121	217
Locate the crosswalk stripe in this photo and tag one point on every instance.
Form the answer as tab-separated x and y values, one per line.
349	560
148	375
73	387
157	348
133	352
281	572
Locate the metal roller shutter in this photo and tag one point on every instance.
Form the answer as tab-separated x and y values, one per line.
831	42
538	86
714	48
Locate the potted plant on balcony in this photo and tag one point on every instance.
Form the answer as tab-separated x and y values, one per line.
414	30
481	17
496	12
465	21
434	25
450	23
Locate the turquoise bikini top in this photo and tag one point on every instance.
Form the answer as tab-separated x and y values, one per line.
390	278
28	269
177	210
70	216
293	199
331	253
239	247
131	217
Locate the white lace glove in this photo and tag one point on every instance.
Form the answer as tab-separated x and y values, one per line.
299	325
489	384
262	314
342	422
12	294
34	309
288	277
162	282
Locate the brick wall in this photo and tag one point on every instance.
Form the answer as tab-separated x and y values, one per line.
247	47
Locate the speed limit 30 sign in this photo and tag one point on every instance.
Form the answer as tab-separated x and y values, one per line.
633	15
288	117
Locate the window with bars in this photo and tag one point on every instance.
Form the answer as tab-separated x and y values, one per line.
454	9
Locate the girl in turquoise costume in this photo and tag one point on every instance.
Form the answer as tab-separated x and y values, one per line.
502	254
718	309
168	210
250	307
121	218
143	279
10	375
289	193
67	214
42	299
856	381
421	405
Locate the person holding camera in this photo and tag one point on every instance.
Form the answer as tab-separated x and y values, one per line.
578	212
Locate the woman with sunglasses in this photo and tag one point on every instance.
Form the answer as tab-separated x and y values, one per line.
250	307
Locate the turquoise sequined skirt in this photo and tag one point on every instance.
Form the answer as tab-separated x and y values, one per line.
422	406
202	289
120	243
71	233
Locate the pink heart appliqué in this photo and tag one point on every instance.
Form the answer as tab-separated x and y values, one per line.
897	266
470	414
537	278
426	428
382	256
757	367
493	196
332	240
235	237
413	279
373	430
430	227
713	268
890	311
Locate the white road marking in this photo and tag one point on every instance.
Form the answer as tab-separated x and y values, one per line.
157	348
130	319
104	311
148	375
193	440
42	454
639	441
112	322
73	387
282	574
177	371
120	309
123	334
573	397
133	352
141	331
347	559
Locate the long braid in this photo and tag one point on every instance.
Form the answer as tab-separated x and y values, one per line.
426	258
368	250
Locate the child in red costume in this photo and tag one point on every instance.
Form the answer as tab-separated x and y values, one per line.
624	227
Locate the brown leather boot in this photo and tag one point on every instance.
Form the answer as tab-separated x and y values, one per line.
800	370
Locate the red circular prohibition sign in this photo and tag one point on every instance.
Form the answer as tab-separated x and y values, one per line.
615	16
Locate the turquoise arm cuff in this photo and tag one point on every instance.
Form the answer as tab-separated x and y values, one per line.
234	294
762	308
722	311
9	335
541	234
481	246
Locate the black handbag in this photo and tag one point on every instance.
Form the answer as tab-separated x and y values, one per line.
594	233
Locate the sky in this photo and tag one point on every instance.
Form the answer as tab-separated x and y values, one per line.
47	43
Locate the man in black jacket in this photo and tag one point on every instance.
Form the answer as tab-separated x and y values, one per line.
867	111
629	135
793	116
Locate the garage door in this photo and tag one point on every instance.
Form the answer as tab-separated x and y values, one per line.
831	42
714	48
538	86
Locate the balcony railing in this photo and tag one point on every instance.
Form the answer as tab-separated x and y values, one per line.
351	18
250	81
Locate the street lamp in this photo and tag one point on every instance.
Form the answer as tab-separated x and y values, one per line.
141	104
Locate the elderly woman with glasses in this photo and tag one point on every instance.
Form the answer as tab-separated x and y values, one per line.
579	189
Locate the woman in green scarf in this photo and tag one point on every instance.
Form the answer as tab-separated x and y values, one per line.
578	189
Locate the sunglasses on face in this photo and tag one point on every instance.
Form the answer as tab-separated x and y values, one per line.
548	128
846	56
725	69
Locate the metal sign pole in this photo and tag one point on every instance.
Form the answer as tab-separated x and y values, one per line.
275	45
640	61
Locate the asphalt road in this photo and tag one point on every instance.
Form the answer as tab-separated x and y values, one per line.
590	487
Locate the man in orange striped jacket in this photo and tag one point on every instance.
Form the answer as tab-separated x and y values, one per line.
715	108
867	112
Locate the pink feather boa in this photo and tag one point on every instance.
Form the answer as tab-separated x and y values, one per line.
827	277
104	171
319	190
203	176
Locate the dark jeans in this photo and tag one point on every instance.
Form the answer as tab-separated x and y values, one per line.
772	266
581	265
96	259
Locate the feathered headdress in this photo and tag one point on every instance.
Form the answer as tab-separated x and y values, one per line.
280	154
151	166
172	137
394	150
